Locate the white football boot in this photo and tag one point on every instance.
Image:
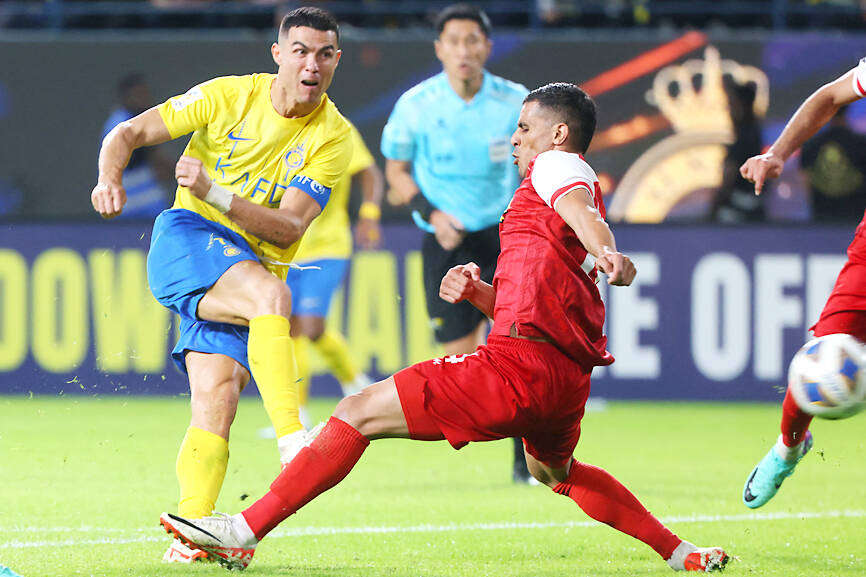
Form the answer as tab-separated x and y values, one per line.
226	538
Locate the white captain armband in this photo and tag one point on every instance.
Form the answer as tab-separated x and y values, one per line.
219	198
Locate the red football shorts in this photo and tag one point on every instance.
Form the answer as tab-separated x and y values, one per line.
507	388
845	310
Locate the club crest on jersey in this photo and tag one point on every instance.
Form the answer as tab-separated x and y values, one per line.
294	158
228	248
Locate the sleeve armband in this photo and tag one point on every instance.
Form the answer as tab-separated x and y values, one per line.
319	193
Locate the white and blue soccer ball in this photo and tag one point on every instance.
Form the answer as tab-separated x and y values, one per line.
827	376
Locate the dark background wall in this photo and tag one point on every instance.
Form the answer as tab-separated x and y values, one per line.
57	90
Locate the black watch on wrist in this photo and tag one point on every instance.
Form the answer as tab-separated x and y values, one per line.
420	203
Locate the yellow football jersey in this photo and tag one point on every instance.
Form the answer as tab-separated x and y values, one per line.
254	152
330	234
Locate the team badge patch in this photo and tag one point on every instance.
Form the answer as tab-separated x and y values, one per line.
184	100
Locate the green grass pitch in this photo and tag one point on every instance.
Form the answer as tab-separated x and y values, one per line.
83	480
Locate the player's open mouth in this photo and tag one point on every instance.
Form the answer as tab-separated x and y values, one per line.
310	82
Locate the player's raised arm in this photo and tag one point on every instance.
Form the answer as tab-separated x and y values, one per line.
146	129
814	113
578	210
302	201
282	227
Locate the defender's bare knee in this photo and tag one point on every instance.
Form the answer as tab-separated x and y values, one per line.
355	410
375	412
544	474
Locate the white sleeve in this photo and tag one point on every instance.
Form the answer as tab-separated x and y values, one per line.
860	79
555	173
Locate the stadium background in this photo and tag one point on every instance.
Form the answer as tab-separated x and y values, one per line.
716	313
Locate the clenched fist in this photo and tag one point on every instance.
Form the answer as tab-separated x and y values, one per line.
190	172
618	267
108	199
458	284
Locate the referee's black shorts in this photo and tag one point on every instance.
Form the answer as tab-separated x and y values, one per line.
453	321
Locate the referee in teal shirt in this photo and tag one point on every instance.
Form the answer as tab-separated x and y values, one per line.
447	146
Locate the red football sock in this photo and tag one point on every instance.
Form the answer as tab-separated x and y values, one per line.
795	422
313	471
605	499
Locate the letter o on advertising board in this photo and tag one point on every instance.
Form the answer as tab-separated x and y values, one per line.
721	309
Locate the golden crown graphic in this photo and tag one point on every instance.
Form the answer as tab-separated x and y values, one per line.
692	97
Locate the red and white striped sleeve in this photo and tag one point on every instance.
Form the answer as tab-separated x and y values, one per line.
860	79
556	172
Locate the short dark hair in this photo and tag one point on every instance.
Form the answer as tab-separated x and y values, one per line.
573	106
311	17
463	12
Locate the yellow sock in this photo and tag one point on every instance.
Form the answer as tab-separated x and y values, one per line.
334	349
272	362
302	358
201	468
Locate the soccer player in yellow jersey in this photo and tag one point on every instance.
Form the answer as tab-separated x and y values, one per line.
324	258
265	152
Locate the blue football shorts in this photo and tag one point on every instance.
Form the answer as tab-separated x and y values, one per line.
313	288
188	254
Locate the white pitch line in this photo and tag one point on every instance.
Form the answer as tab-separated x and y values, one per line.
315	531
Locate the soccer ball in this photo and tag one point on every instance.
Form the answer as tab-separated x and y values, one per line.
827	376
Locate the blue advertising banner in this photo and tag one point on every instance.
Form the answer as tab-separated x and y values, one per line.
715	313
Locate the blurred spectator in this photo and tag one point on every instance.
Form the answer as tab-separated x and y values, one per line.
839	14
552	12
735	200
834	163
189	14
148	167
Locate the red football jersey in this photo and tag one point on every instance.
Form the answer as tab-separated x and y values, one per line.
545	278
849	292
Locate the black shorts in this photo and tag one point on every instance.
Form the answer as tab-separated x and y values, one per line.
453	321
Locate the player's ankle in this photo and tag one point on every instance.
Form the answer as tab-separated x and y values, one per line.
786	453
677	560
243	530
